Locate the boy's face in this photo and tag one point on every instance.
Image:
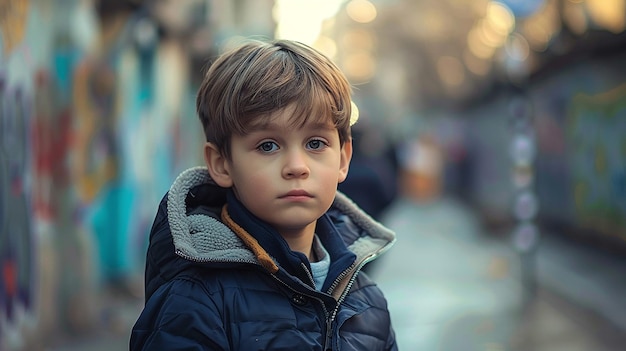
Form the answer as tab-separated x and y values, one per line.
285	175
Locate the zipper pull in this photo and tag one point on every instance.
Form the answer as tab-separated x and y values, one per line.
328	344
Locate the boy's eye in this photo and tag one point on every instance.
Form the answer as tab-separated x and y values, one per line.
316	144
268	146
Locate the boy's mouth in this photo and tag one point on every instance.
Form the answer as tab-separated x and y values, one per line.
296	194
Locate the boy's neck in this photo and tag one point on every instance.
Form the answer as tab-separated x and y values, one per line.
300	240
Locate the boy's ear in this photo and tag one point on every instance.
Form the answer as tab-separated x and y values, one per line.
217	166
346	156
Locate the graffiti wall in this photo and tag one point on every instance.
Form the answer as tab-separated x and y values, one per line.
96	119
18	258
597	132
581	136
579	121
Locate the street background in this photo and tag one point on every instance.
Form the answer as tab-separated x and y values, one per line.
491	138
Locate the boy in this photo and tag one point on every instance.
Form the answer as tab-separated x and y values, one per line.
258	250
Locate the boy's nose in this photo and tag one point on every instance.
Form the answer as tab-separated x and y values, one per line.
295	165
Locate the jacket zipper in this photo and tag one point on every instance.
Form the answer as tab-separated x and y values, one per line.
359	267
344	293
327	316
308	273
329	332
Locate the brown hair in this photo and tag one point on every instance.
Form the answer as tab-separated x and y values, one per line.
250	82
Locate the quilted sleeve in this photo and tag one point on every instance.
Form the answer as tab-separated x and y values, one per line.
181	315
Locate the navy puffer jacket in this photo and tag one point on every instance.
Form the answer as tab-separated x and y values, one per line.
217	278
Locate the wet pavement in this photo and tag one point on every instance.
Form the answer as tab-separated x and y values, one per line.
452	287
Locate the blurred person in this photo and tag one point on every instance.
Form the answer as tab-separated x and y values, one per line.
372	181
422	168
258	250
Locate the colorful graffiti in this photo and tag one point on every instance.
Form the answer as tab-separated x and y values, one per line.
597	137
579	121
95	159
93	130
16	230
17	259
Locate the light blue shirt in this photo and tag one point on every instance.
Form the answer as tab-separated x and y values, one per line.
319	269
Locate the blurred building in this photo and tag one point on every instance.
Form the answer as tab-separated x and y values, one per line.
492	80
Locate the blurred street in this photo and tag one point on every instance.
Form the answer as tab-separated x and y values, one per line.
452	287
